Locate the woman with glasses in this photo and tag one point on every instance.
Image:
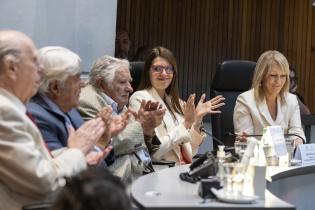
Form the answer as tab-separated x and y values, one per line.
269	102
179	135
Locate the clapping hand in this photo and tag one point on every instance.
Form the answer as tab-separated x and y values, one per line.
208	107
113	124
189	111
150	115
94	158
86	136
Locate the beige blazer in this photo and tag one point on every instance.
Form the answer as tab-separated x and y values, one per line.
27	171
251	117
126	165
171	133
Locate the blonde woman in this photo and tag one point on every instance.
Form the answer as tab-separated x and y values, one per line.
269	102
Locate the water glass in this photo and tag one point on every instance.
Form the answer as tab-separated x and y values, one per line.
240	148
233	179
290	147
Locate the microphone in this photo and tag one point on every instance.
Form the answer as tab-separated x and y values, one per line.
260	135
247	135
219	141
213	137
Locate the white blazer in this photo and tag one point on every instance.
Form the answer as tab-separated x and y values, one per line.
251	116
170	132
27	171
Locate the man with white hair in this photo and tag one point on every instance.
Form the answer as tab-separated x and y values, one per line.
54	106
109	85
28	173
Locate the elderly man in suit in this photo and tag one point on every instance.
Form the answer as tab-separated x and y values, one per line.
28	172
53	107
109	85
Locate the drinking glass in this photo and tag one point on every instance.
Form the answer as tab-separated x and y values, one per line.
290	147
240	148
233	179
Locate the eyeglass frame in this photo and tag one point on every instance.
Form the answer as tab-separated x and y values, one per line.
168	69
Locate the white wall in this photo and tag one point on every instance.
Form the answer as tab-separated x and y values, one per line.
85	26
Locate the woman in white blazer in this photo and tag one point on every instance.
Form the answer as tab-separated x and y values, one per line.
269	102
179	135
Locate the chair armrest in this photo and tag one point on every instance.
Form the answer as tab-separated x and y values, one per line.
164	163
38	206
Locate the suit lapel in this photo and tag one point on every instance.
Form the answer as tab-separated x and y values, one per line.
282	109
75	118
168	119
264	111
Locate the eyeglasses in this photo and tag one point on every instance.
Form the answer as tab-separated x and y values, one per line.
159	69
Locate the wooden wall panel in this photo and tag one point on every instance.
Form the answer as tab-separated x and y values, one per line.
203	33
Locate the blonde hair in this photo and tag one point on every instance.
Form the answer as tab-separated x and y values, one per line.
263	66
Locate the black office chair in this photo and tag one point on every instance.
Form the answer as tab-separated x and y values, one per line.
231	78
307	122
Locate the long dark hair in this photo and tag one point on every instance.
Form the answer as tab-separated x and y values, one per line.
172	89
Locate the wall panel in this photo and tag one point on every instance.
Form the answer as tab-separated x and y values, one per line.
202	33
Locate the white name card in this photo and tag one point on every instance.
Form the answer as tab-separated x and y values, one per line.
274	136
306	153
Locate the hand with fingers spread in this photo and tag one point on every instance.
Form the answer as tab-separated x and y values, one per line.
85	137
209	107
189	111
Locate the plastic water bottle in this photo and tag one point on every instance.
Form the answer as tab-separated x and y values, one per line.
221	160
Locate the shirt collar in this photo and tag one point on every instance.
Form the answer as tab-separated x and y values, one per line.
14	99
111	102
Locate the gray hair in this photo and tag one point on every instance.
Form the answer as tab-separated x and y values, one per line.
58	64
105	68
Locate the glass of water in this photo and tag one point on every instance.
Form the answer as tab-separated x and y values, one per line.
233	179
240	148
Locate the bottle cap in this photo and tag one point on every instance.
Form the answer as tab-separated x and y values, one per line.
221	152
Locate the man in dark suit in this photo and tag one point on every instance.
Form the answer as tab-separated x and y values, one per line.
52	121
53	107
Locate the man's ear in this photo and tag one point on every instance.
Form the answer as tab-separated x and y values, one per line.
10	66
101	84
54	88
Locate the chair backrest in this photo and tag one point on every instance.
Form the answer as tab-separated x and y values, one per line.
136	69
308	121
231	78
